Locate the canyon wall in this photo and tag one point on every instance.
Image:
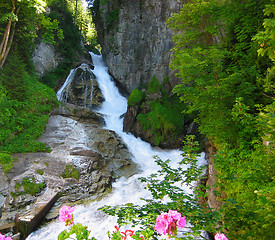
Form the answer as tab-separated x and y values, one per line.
135	39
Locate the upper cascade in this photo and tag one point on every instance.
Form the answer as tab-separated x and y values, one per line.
81	88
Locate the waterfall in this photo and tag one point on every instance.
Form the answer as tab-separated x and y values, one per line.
63	92
123	190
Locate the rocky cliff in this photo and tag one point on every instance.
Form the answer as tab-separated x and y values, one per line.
135	40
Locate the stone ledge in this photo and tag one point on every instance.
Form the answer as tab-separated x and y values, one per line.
28	222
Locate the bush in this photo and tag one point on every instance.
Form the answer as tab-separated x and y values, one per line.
153	86
136	97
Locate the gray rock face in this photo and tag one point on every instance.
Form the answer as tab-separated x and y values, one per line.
137	45
45	58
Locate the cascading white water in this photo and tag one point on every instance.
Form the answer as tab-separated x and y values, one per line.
124	190
62	94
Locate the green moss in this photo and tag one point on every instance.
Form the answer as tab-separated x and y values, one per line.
30	187
136	97
165	118
71	172
6	161
40	171
17	186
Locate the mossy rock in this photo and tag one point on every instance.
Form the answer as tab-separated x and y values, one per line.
71	172
31	187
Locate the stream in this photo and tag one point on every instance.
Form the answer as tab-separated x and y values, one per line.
123	190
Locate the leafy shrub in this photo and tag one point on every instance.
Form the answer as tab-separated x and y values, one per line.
166	193
23	114
165	117
153	86
232	91
136	97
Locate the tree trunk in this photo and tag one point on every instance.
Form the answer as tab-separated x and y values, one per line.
7	39
2	61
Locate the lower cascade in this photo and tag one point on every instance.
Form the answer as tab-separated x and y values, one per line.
124	190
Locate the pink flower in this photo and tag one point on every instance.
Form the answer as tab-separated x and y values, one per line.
65	214
181	222
174	214
168	222
220	236
2	237
162	223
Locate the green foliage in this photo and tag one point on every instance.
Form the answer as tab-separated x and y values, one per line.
111	12
30	187
6	161
68	44
111	18
52	30
25	104
231	89
164	117
71	42
40	171
71	172
79	230
136	97
153	86
166	184
28	22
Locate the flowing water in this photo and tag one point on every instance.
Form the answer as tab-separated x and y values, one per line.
124	190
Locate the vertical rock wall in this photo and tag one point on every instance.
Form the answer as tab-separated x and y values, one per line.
135	40
45	58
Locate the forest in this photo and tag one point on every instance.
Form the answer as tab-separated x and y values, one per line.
224	54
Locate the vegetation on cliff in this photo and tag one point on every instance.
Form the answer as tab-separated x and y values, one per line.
224	54
159	112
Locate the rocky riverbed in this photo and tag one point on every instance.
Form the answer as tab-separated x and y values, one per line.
84	160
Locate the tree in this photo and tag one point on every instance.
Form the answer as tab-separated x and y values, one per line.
9	32
28	14
231	90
